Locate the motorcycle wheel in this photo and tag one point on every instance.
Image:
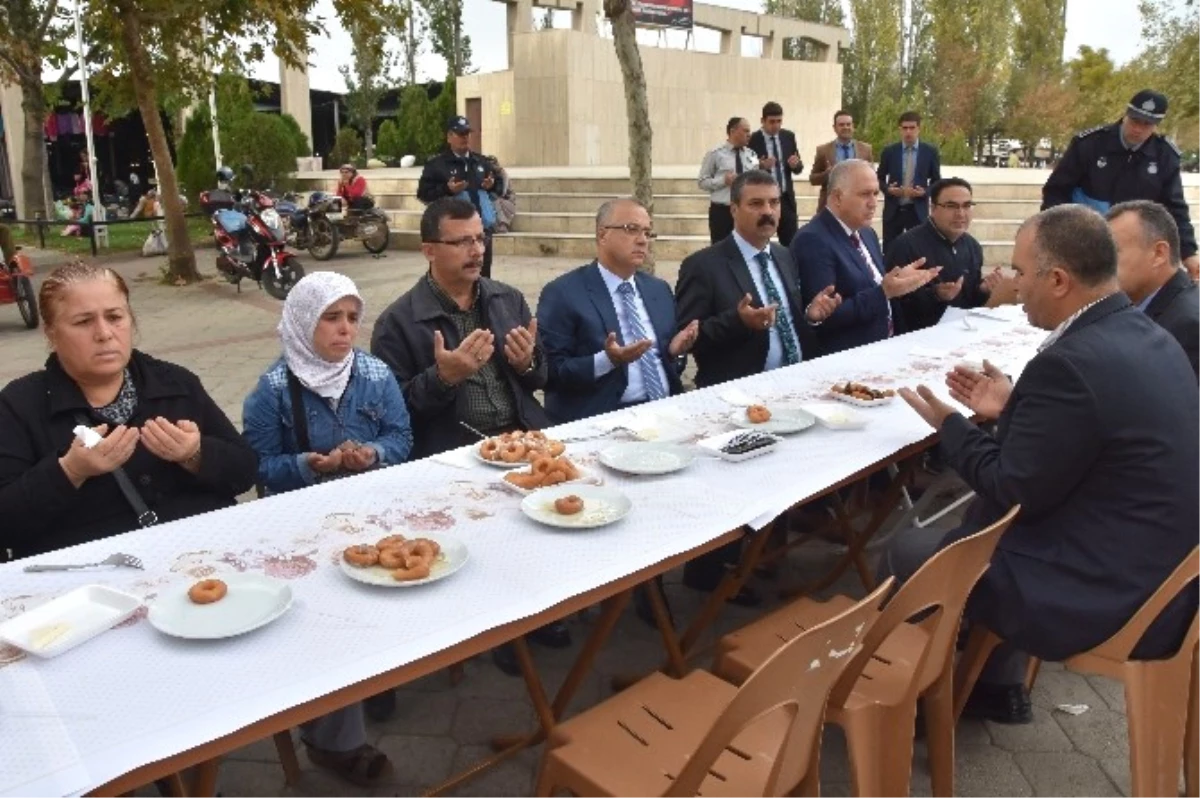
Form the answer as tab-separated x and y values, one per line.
26	301
323	239
378	241
290	273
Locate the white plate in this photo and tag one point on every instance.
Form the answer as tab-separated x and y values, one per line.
453	556
585	478
836	417
782	421
253	600
65	622
647	459
850	400
715	443
601	506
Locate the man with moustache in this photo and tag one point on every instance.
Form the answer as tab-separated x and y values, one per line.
839	250
608	330
746	296
464	349
830	154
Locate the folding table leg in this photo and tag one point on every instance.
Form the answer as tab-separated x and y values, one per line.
204	778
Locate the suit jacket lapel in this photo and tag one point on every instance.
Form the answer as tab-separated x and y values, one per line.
658	308
602	300
1166	295
847	248
739	269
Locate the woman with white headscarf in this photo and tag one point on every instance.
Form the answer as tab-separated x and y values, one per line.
325	409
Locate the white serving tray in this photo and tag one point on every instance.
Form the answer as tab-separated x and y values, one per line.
69	620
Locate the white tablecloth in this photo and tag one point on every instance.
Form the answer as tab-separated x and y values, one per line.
133	696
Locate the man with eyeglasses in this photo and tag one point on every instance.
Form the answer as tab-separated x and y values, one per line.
942	240
464	349
608	330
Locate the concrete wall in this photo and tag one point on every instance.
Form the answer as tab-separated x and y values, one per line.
568	100
14	134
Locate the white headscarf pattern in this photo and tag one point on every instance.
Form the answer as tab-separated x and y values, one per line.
308	299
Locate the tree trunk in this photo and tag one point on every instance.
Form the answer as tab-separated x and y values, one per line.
410	46
637	109
369	142
33	170
181	259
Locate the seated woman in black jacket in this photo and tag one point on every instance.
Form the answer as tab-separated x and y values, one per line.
180	452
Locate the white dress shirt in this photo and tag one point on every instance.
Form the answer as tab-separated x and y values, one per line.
775	342
635	388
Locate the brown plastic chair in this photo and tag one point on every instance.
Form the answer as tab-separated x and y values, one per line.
1159	725
701	735
875	701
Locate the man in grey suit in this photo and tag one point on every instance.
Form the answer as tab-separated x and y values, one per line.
1099	444
1150	271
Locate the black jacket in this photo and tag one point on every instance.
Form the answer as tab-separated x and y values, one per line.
1098	443
39	508
1098	163
787	143
964	258
473	169
1176	307
711	283
403	338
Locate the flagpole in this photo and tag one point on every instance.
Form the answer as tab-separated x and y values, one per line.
212	96
98	207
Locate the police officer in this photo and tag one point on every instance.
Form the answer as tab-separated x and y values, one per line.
459	172
1126	161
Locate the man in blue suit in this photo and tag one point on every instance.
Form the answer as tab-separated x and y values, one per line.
838	247
608	330
906	170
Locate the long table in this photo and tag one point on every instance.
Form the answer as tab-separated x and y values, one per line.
135	700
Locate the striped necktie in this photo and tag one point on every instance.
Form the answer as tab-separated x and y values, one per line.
783	322
648	362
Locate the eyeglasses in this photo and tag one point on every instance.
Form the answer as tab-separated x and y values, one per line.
956	206
632	229
463	243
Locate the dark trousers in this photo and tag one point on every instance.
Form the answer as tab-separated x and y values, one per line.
906	554
905	218
788	223
720	222
487	256
706	571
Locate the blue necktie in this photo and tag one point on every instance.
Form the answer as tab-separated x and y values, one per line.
783	322
847	153
649	361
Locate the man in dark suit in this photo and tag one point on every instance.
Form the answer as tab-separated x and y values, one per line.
779	154
839	248
1098	444
831	153
1150	271
906	170
746	296
608	330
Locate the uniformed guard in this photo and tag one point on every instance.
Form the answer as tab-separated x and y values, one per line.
1125	161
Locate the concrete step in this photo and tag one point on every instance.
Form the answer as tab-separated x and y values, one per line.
667	248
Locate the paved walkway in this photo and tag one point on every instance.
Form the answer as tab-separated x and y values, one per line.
229	340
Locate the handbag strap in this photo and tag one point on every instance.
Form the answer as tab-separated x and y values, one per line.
145	516
298	417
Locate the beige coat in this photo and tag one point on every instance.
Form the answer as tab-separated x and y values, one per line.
824	162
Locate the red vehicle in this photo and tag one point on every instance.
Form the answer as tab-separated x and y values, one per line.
251	240
17	286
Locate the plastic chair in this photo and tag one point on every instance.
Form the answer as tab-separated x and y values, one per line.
1159	725
701	735
875	701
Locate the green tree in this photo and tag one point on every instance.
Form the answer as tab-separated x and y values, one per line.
1170	63
390	145
367	79
346	147
825	12
415	120
872	77
412	39
300	147
446	34
162	57
1100	90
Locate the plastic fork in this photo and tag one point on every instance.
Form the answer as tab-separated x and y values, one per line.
116	560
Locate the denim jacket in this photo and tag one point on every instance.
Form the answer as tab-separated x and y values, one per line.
371	412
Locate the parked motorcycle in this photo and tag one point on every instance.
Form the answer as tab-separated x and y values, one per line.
326	222
251	240
16	286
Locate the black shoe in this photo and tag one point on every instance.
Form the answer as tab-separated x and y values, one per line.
381	707
746	597
1000	703
506	660
552	635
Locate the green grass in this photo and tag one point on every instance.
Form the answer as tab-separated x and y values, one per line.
121	237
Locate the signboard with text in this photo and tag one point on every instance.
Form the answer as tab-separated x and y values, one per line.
663	13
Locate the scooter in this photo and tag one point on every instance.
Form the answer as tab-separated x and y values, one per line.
251	240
